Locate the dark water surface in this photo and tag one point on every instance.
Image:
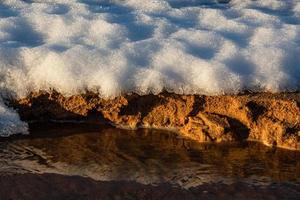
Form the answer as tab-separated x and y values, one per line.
80	161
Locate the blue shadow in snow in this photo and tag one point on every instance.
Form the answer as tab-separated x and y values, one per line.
105	7
240	39
58	9
58	48
22	34
240	66
285	14
143	53
200	52
196	3
123	16
7	12
136	31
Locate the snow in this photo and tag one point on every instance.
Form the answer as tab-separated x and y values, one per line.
121	46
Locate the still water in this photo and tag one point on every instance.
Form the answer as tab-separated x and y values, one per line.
148	157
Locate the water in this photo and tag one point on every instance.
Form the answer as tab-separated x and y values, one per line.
145	157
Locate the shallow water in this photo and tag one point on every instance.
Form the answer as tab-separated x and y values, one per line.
153	157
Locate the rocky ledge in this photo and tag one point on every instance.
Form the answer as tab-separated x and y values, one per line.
273	119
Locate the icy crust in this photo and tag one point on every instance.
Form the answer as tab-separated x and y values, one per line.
182	46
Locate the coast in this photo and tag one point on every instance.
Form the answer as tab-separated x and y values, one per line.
270	118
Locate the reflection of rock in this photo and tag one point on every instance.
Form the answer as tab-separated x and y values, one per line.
273	119
144	155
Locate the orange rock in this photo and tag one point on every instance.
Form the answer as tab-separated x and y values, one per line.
273	119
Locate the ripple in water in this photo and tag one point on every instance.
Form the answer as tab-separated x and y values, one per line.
146	157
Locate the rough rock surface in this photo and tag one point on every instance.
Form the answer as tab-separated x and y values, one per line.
273	119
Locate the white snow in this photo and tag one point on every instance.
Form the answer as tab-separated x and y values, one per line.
10	122
146	46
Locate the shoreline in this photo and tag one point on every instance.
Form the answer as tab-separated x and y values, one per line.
41	186
272	119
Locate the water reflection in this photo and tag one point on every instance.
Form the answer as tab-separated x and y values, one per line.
145	156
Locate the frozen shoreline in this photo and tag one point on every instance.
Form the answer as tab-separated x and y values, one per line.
119	47
273	119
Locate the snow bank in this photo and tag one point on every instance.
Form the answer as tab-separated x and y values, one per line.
119	46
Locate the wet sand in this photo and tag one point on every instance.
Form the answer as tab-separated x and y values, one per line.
54	186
